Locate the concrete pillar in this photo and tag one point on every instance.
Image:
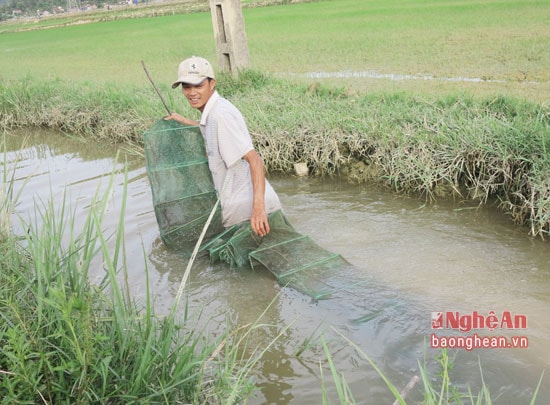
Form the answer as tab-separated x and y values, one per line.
231	44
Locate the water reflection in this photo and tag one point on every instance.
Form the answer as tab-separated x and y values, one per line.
370	74
415	259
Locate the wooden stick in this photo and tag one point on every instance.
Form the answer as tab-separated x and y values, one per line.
410	385
156	88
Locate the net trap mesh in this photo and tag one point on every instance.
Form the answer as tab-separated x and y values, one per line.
181	184
184	195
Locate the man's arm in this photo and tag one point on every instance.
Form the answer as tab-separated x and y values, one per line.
181	119
258	220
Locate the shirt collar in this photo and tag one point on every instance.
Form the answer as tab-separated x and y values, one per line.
211	101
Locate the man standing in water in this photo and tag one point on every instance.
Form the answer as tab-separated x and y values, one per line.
237	168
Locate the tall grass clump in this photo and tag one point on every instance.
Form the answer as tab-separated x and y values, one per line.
64	340
7	197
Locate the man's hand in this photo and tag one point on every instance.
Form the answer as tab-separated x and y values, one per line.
259	222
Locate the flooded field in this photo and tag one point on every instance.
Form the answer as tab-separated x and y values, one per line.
419	259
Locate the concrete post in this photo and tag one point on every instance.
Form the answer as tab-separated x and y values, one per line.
231	44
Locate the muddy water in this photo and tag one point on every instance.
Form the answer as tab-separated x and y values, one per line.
419	259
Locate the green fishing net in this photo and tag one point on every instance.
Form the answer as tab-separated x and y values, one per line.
181	184
184	196
294	259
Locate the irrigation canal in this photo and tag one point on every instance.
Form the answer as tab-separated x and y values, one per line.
451	257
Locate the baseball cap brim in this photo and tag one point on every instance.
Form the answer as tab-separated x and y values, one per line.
194	80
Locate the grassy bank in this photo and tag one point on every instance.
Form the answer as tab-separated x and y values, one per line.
480	139
455	146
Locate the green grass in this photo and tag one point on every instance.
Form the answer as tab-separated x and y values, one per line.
64	340
503	40
413	37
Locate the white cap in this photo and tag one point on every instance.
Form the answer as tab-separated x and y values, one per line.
193	71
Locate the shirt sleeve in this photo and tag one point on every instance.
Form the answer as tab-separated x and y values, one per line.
234	141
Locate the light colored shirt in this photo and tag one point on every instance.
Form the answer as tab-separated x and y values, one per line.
227	141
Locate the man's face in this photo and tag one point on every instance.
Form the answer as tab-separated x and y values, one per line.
199	94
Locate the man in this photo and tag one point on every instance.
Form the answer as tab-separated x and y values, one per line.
237	169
